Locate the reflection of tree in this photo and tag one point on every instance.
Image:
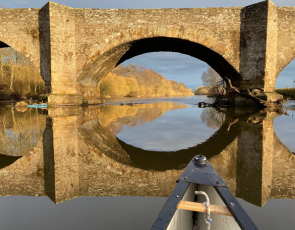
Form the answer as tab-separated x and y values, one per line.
213	118
19	131
114	118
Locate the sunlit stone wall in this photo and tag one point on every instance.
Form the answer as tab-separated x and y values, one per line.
78	47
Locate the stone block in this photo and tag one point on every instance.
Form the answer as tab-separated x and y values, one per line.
269	96
94	101
66	100
66	111
241	101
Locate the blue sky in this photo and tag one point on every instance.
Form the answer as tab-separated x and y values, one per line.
174	66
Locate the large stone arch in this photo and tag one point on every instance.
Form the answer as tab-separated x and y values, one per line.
218	55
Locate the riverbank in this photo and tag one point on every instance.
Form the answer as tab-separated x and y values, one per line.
287	92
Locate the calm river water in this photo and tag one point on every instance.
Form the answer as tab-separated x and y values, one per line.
113	167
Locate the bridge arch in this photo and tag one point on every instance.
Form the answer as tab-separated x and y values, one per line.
287	71
7	40
20	70
207	49
95	134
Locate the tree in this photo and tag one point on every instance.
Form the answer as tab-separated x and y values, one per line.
138	81
212	79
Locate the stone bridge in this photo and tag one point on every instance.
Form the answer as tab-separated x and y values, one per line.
75	48
80	157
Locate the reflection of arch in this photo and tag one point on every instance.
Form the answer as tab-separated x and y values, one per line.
172	160
205	49
102	173
7	160
93	132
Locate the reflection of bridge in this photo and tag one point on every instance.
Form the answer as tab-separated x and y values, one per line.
82	158
75	48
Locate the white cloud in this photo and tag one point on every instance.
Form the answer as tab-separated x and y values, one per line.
22	2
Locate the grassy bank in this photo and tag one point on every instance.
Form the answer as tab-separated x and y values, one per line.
287	92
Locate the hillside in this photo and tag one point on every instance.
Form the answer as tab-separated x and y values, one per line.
138	81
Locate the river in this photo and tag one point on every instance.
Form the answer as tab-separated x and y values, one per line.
113	166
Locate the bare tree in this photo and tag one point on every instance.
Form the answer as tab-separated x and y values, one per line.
210	77
212	118
213	80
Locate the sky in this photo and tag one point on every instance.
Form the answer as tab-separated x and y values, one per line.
159	135
173	66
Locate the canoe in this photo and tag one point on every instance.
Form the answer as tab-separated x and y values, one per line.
187	207
38	106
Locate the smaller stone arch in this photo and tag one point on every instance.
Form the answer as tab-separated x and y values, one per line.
23	68
283	65
18	44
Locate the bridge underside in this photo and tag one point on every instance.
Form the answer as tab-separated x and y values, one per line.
75	48
110	59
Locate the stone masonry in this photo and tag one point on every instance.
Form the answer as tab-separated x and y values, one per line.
75	48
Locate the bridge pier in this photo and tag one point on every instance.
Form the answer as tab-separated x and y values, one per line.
58	54
258	46
258	50
58	57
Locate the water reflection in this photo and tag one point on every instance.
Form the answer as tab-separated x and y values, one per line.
19	130
80	155
19	133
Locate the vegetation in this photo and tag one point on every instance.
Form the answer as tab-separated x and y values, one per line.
114	118
212	81
226	93
18	77
137	81
287	92
202	90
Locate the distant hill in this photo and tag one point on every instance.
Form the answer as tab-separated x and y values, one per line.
138	81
